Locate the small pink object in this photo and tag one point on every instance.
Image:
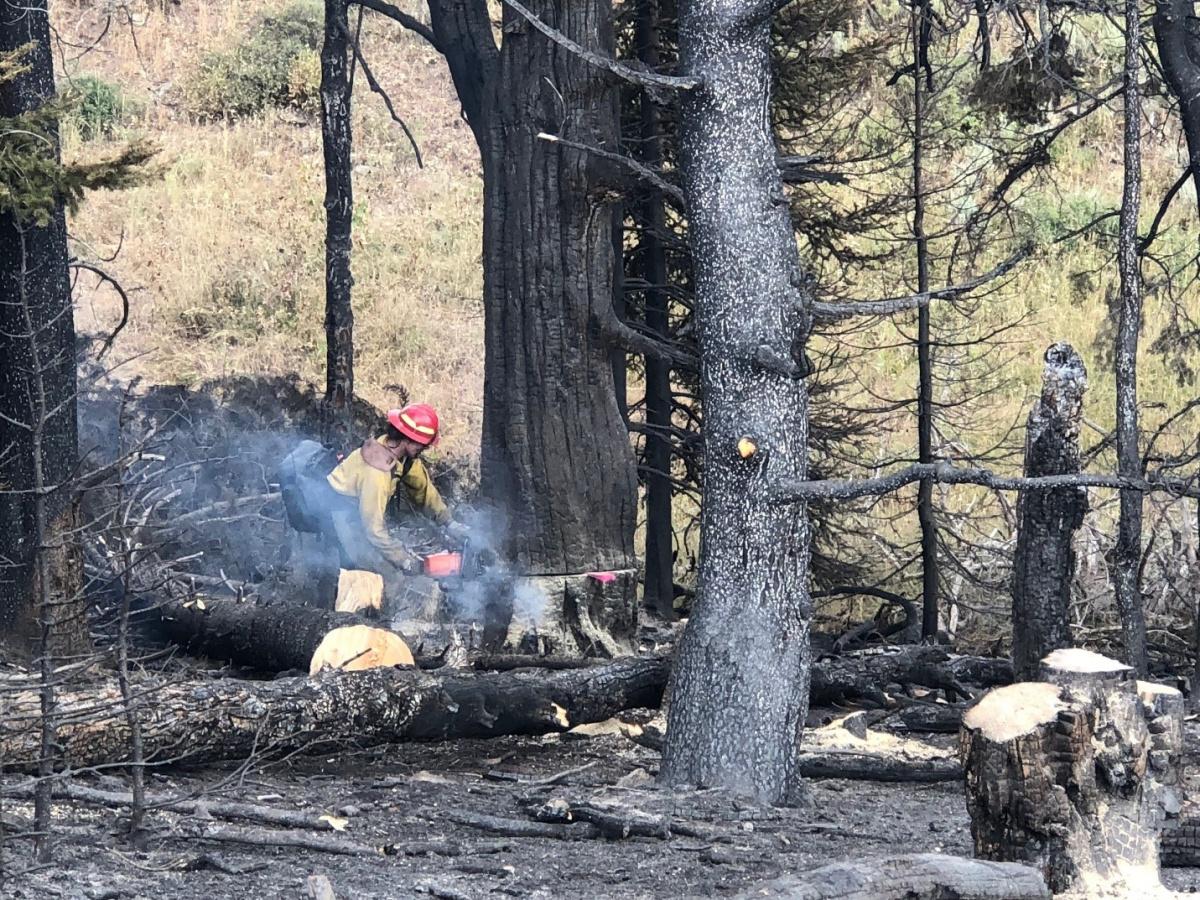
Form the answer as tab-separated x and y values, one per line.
602	577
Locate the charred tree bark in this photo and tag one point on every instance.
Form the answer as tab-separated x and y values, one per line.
659	587
925	514
1044	567
231	719
1177	35
555	455
337	142
41	589
1076	774
741	684
1128	553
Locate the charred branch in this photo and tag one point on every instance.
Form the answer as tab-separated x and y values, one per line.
648	80
945	472
401	18
834	312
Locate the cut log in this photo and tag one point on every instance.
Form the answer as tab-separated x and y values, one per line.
1075	774
1044	564
356	648
270	638
358	590
925	876
233	719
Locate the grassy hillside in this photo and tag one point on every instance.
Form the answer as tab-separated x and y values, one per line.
224	254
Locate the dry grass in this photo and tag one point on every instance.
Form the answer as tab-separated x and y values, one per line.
225	252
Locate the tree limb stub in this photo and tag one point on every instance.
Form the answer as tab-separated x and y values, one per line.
834	312
925	876
945	472
620	69
233	719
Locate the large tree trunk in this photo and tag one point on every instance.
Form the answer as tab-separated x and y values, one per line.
1177	35
742	675
556	455
1044	567
1128	553
231	719
41	593
336	141
1076	774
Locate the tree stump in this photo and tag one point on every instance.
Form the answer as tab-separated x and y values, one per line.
1076	774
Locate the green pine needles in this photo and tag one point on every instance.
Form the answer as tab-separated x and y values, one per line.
33	178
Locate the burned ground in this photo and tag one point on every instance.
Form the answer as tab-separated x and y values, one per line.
411	799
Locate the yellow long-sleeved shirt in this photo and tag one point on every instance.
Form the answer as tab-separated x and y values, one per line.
369	475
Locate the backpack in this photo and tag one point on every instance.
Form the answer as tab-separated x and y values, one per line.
301	484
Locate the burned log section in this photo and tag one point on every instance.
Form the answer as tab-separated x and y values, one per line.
228	718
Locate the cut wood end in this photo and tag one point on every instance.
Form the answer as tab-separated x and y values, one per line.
1010	712
358	589
560	715
1149	691
1083	662
358	647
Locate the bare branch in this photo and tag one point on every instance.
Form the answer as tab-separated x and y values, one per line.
387	101
620	69
96	270
945	472
833	312
644	172
402	18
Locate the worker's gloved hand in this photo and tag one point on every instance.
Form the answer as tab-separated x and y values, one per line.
410	565
458	531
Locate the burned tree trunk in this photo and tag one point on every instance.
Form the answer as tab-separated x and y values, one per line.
742	676
1076	774
41	588
231	719
1127	556
1044	568
336	141
1177	35
556	455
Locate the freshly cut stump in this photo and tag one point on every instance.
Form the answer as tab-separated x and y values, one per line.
1076	774
358	647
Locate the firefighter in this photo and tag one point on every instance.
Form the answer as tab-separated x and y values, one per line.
368	478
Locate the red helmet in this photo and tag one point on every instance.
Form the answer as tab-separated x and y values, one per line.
417	421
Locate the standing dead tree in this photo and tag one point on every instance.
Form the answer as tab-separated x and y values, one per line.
1128	553
1044	568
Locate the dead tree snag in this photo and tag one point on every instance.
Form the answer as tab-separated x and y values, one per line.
1076	774
1045	559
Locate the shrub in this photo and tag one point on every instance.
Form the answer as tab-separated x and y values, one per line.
97	106
275	66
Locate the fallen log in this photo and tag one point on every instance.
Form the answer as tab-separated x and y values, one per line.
863	676
224	809
925	876
874	767
269	638
233	719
